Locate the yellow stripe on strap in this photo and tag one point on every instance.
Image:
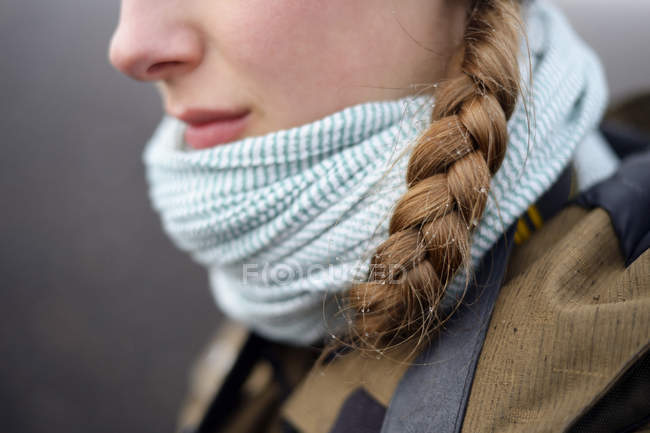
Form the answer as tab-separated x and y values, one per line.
535	217
523	232
518	240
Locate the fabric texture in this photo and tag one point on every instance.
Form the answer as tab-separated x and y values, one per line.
570	319
285	221
432	394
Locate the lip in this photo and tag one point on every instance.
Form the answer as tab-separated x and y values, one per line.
210	128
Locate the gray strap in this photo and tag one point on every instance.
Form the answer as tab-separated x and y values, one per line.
432	395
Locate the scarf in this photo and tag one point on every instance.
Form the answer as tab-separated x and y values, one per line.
285	221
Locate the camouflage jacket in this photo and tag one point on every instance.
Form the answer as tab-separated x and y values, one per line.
553	336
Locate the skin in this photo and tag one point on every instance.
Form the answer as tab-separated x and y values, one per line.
289	62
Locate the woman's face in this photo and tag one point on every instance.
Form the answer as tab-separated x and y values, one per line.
257	66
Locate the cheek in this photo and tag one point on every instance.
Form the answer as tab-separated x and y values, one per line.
299	60
285	49
268	42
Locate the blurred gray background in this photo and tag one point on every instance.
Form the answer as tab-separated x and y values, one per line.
100	315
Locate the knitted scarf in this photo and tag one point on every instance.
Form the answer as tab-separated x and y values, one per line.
285	221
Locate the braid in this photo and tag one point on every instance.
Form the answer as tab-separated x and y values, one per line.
448	178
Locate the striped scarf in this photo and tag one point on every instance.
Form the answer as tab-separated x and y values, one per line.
285	221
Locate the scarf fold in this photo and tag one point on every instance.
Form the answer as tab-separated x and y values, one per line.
285	221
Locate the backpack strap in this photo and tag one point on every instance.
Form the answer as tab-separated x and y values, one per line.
434	390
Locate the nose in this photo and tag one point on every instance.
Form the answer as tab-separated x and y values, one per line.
151	47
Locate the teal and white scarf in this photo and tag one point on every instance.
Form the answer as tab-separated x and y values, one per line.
285	220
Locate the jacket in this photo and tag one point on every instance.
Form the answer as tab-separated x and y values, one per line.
553	336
